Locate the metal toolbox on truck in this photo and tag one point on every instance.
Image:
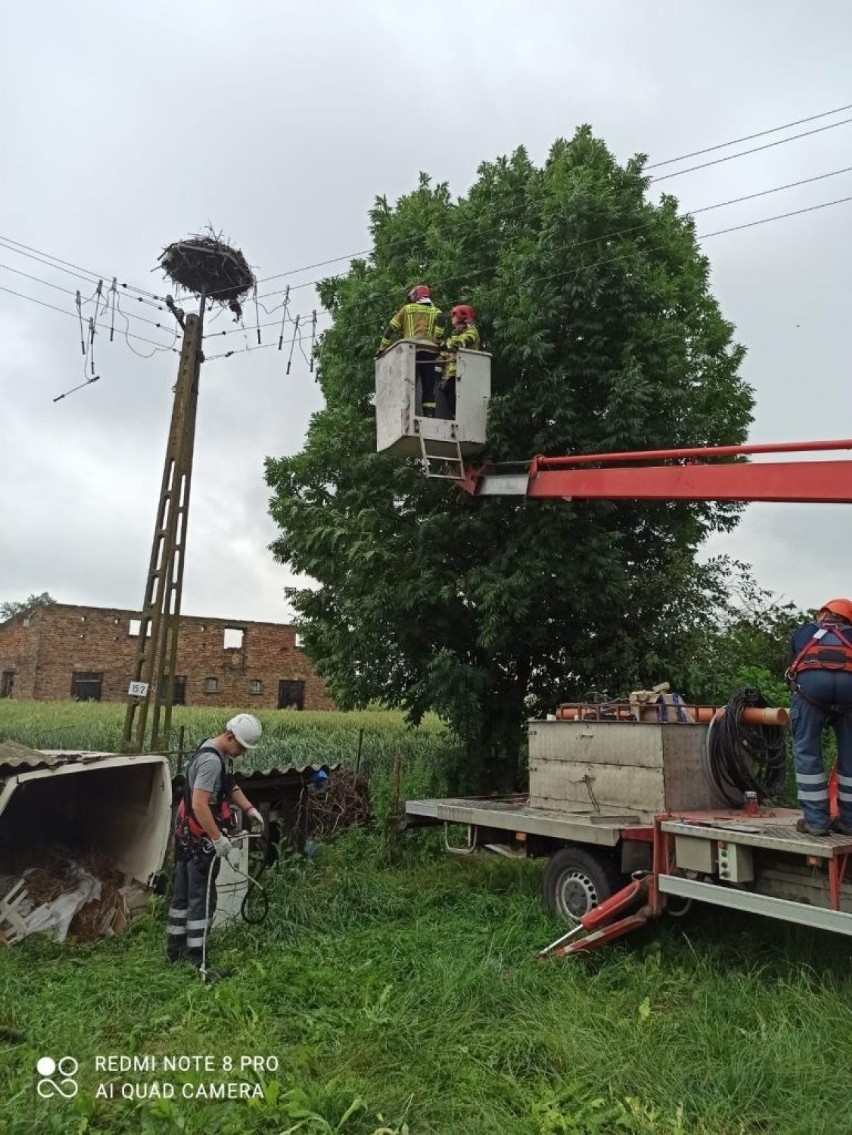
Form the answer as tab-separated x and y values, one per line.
645	768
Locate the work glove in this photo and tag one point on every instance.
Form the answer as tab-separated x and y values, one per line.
255	821
223	847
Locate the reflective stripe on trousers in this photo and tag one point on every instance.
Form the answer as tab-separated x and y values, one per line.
186	929
807	721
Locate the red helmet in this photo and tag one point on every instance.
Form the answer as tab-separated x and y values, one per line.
841	607
420	292
463	313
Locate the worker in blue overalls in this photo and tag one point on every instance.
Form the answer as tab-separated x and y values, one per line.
820	676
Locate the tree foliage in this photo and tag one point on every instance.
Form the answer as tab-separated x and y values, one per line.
596	306
11	607
744	642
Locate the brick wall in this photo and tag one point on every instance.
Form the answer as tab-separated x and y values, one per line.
18	655
61	640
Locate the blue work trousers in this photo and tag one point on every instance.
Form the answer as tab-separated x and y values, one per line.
807	721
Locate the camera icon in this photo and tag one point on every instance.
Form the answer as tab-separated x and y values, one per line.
66	1068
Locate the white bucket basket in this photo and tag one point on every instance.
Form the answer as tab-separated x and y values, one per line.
399	429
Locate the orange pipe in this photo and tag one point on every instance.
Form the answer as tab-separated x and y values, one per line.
770	715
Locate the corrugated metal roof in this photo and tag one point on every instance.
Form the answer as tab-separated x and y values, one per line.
291	770
296	772
15	758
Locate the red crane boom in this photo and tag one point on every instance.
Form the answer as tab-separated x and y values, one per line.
701	473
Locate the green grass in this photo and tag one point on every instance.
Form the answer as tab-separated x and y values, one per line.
406	996
410	995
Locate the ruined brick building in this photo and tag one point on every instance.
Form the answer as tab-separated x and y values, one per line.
87	653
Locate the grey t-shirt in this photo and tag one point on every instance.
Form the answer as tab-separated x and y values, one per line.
205	771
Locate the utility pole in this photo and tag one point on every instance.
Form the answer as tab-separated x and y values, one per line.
156	654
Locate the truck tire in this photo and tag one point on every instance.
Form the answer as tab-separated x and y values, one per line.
576	881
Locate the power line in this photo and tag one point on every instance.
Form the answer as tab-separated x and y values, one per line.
754	150
250	350
634	228
69	292
92	277
71	269
273	323
749	137
151	297
699	236
538	279
777	217
656	165
73	315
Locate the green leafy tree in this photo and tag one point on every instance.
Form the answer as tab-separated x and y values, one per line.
596	307
744	642
10	608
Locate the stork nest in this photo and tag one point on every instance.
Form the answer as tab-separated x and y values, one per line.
206	264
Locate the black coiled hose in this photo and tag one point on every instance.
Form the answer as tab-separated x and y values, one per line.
742	758
255	905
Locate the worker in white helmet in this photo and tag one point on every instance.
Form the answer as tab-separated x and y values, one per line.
202	825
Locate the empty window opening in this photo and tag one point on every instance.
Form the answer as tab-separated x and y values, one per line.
291	694
233	638
134	628
299	641
211	685
86	685
7	683
255	686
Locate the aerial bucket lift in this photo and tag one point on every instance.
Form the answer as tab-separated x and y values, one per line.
442	445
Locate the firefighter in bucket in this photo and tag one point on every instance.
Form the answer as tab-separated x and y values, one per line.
203	823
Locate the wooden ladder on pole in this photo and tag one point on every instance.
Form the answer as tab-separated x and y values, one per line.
153	674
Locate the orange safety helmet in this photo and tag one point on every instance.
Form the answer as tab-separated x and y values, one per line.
841	607
420	292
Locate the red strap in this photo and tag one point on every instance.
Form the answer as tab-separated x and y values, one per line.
816	642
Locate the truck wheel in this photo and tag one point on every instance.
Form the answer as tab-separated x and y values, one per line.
576	881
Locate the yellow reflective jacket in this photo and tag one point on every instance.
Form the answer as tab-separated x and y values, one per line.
468	338
420	321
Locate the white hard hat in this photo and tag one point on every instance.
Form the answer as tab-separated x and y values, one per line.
246	728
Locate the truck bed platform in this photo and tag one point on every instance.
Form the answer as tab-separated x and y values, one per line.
774	829
513	813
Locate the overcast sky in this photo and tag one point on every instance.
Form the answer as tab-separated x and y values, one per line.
127	126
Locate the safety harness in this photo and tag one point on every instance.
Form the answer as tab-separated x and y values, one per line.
819	655
188	832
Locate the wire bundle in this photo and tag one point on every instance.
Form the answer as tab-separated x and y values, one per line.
742	758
